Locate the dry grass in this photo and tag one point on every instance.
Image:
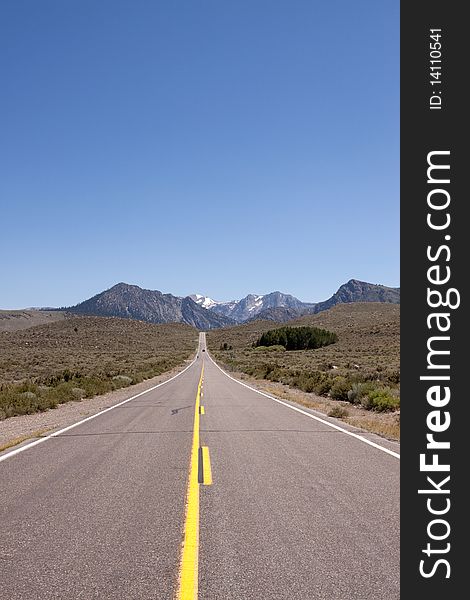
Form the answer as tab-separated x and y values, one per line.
21	439
77	357
388	426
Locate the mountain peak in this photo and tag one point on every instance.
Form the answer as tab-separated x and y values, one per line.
360	291
133	302
123	286
203	301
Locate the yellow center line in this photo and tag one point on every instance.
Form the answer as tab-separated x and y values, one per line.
206	466
188	584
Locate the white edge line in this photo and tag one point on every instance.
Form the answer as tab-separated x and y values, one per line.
307	414
60	431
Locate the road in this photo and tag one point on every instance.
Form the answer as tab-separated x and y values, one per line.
123	506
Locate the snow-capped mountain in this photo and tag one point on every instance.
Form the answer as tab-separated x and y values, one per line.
203	301
250	306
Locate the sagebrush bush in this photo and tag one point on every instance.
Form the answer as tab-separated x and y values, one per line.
381	400
78	393
124	379
31	396
359	390
312	381
340	388
338	411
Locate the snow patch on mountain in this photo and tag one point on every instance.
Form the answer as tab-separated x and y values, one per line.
204	301
258	303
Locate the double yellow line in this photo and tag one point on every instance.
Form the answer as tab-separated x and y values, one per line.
188	584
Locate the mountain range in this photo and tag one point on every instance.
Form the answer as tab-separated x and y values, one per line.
253	305
130	301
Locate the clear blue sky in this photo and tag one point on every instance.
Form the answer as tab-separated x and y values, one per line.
213	146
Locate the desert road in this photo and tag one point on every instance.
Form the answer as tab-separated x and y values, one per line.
201	488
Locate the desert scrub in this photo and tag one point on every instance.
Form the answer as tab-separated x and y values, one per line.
309	381
381	400
338	411
374	396
358	391
67	387
340	388
124	379
78	393
80	357
274	348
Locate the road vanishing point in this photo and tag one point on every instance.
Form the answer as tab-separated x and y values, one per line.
201	487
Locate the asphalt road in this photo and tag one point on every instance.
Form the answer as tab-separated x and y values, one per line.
296	509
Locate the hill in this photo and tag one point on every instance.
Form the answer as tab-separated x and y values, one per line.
12	320
360	291
278	315
368	332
